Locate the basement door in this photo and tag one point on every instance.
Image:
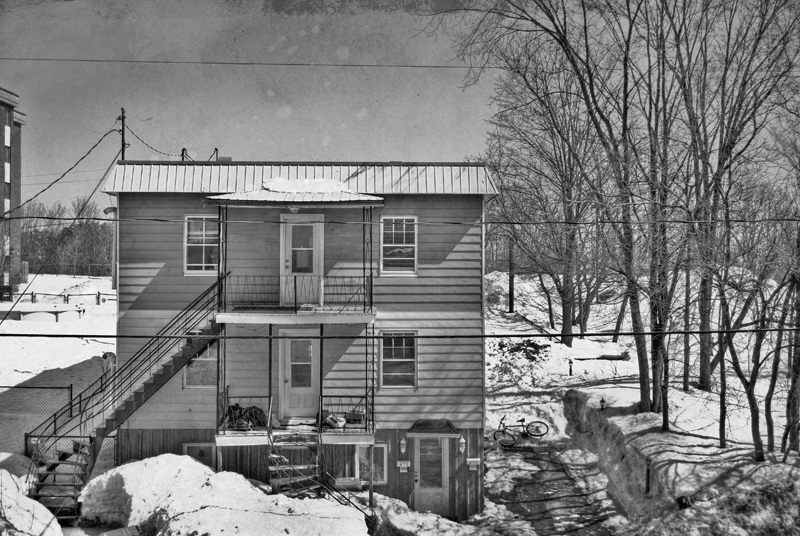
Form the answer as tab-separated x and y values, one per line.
299	374
432	475
301	259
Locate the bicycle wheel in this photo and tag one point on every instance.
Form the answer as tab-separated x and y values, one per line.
506	439
537	428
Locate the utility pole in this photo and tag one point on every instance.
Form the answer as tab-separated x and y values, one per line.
122	131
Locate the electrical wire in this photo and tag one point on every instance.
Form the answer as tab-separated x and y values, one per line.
414	336
63	235
248	63
53	183
128	128
419	222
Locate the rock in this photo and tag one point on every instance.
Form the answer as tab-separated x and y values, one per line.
20	515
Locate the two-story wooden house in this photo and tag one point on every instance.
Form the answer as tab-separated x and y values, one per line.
328	321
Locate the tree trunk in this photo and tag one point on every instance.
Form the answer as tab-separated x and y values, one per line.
620	318
511	273
723	409
686	327
773	377
546	292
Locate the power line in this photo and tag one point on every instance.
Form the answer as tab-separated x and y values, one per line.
147	144
56	174
75	219
414	336
419	222
248	63
53	183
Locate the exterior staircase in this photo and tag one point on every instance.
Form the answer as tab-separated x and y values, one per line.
295	479
65	448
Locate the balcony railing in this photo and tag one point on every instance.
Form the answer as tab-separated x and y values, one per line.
245	414
298	293
350	413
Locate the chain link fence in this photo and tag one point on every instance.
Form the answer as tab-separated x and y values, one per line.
33	400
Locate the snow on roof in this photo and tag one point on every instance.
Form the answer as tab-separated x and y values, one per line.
280	191
366	178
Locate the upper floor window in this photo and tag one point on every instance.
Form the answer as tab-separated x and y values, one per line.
201	245
399	360
399	245
8	154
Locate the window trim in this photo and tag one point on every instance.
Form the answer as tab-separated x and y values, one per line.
186	219
395	333
409	273
212	446
376	458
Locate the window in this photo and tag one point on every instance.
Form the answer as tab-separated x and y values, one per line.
399	245
205	453
8	154
379	463
399	360
201	238
201	372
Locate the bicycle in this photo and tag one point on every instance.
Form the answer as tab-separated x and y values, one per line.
532	429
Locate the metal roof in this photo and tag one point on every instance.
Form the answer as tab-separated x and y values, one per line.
369	178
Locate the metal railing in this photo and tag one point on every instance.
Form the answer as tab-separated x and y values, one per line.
356	412
246	413
104	394
299	292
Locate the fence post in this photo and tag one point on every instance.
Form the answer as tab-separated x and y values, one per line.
66	298
98	297
70	400
27	450
33	297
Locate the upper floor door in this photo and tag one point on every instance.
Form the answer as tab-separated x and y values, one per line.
302	242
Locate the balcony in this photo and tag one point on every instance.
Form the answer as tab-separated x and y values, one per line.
251	420
274	299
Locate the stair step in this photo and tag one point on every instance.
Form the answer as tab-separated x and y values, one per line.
297	491
45	484
67	454
68	494
58	473
278	482
292	467
65	462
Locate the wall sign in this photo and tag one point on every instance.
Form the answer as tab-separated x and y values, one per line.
403	465
473	463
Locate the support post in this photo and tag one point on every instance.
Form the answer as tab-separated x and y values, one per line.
371	450
70	400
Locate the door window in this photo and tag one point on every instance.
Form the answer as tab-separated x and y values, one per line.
430	463
302	245
300	364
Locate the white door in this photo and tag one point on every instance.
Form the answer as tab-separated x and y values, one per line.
431	475
301	266
299	374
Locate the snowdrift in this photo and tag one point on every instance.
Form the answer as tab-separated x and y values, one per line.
177	495
21	516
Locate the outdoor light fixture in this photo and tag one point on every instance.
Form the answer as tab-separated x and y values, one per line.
402	446
602	404
294	210
462	444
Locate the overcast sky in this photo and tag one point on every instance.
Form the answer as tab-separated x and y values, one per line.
254	112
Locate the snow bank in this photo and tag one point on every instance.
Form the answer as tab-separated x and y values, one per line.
21	516
396	519
176	495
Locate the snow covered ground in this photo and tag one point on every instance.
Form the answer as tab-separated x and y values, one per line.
604	454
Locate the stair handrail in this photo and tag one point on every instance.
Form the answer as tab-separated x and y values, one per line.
344	498
125	373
